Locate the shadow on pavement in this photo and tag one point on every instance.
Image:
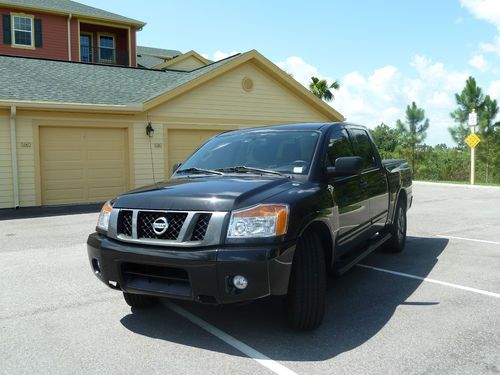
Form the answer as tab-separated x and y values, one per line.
360	304
34	212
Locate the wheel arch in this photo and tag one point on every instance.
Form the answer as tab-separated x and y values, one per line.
326	236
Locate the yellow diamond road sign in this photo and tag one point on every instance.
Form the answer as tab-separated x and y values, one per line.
472	140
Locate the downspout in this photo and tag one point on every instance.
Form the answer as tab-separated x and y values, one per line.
13	150
69	37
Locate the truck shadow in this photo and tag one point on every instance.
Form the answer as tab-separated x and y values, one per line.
360	304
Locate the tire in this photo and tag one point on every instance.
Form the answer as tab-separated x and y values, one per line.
139	301
307	289
397	242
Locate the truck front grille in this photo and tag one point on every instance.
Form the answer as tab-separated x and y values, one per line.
146	219
200	229
125	222
167	228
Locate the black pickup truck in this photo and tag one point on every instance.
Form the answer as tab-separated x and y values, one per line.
255	213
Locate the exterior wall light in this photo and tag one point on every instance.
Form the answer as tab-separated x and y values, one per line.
149	130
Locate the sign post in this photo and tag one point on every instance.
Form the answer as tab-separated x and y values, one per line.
472	140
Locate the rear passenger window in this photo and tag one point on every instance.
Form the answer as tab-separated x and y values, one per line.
364	148
338	146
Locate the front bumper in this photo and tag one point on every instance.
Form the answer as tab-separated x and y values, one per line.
202	275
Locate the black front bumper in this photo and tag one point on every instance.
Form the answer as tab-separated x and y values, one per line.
202	275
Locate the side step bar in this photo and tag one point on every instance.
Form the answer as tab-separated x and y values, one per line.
344	266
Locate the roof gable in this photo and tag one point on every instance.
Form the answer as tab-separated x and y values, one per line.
36	81
176	61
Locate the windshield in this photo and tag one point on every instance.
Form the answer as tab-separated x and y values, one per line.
281	151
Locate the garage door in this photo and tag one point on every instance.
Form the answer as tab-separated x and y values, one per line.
182	143
80	165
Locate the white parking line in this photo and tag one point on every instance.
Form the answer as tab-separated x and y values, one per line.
467	239
230	340
479	291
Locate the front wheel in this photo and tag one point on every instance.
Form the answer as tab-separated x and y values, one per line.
306	293
139	301
397	229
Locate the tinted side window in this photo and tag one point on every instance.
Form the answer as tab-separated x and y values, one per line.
339	145
365	148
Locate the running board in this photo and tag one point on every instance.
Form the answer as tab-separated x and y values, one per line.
345	266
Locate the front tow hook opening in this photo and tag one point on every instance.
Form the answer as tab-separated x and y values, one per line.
96	266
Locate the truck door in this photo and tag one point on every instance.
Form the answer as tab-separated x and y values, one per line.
348	193
373	178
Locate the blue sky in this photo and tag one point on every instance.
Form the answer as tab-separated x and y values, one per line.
384	53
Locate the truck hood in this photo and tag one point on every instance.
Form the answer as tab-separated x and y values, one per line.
218	193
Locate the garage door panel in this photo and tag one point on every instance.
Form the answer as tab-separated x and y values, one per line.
105	173
102	194
61	155
70	174
93	183
61	196
79	165
99	155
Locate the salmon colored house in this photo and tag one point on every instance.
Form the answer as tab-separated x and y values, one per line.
66	30
77	95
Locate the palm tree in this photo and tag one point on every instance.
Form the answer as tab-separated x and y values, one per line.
321	89
413	130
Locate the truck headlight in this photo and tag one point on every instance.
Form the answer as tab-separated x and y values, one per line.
103	221
263	220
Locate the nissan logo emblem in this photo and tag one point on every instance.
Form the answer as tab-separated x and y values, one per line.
160	225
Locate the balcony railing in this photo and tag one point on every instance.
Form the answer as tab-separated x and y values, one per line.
103	55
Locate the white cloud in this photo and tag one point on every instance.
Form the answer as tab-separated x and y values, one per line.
494	89
382	95
487	10
219	55
479	62
493	47
299	69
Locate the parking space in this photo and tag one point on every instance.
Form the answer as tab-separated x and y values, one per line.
55	316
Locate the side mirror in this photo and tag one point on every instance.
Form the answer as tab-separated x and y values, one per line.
346	166
175	167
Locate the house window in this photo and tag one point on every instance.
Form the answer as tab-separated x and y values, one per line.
107	49
86	47
22	31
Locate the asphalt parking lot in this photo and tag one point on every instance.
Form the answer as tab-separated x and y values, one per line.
433	309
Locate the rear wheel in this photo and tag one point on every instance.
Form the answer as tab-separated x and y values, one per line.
397	229
306	293
139	301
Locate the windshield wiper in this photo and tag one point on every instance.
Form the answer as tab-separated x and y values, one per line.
244	169
199	170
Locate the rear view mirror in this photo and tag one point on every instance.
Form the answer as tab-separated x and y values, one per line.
175	167
346	166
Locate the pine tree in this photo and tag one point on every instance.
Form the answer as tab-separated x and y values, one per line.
413	130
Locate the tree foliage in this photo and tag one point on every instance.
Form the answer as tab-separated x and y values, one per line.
321	88
414	130
488	151
441	162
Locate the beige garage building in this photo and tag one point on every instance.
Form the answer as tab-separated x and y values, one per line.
75	133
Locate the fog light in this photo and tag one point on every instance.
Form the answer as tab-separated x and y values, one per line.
240	282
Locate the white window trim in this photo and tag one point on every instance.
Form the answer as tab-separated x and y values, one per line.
99	44
13	34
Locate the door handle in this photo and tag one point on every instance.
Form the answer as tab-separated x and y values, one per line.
363	184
